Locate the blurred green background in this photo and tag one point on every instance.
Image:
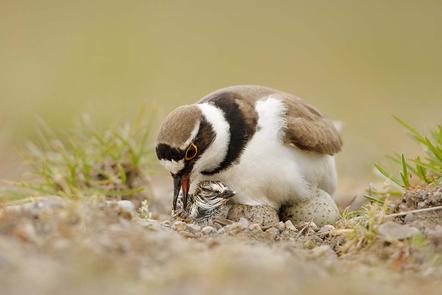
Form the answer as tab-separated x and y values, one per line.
357	61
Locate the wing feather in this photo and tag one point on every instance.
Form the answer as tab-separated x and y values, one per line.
306	127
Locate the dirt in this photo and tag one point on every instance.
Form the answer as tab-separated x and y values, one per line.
430	223
53	246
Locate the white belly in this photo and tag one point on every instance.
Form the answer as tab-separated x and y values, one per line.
270	172
279	174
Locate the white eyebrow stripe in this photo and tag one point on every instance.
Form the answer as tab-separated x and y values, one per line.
173	166
192	136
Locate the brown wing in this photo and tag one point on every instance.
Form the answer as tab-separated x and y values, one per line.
306	129
309	130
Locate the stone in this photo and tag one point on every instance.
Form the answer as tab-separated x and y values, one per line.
435	236
309	244
126	206
255	227
188	235
194	228
166	223
272	233
179	225
207	230
326	229
313	226
125	209
323	251
26	232
151	224
307	225
244	223
233	228
289	225
319	208
392	231
280	226
409	218
39	205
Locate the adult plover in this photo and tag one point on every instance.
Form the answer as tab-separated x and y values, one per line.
267	145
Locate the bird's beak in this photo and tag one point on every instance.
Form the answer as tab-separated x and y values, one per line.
180	183
228	194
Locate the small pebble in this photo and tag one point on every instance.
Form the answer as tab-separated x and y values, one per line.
179	225
391	231
187	234
280	226
126	206
313	226
409	218
326	229
309	244
323	251
271	233
233	228
289	225
307	226
194	228
26	232
207	230
166	223
254	227
244	223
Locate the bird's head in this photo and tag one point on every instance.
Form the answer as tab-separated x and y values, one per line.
192	139
208	199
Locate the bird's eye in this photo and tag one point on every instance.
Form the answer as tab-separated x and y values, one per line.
191	152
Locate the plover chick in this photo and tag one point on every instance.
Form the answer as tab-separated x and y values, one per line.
209	204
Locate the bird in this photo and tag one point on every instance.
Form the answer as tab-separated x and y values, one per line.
269	146
209	204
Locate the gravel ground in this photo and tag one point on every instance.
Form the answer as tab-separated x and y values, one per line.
53	246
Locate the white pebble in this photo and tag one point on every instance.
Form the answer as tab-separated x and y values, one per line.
233	228
280	226
207	230
126	206
391	231
323	251
326	229
289	225
244	223
255	227
194	228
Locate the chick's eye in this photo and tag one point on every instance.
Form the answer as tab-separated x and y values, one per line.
191	152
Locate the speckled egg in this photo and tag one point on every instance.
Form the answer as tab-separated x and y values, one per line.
320	209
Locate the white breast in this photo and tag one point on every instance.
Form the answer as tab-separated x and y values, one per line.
270	172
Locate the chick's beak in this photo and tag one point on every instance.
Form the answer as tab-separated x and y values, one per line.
228	194
180	183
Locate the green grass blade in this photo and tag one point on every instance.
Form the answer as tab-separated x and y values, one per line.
404	174
388	175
